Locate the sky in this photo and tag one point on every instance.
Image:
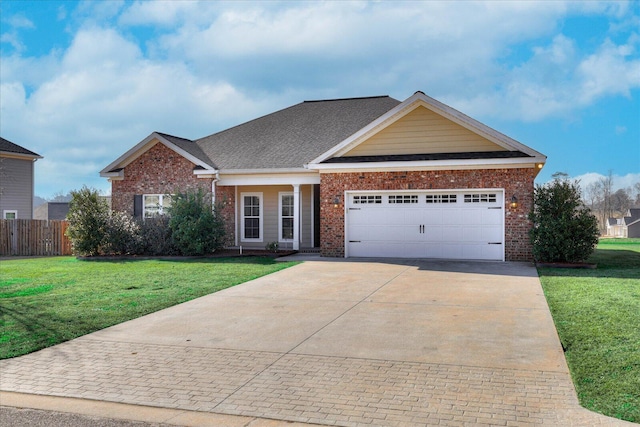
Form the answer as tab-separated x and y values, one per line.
81	82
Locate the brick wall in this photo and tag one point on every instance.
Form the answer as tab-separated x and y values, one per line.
161	170
226	201
514	181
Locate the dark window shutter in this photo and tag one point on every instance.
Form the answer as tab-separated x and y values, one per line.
137	206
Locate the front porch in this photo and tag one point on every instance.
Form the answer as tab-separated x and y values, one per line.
263	215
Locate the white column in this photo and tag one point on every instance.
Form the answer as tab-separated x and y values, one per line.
296	217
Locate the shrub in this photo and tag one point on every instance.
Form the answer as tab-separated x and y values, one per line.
88	218
122	235
564	230
272	247
156	236
196	227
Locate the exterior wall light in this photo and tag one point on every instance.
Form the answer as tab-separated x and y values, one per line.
514	202
336	202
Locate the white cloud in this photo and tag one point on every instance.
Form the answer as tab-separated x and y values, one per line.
608	72
166	13
557	80
103	98
619	181
216	64
20	21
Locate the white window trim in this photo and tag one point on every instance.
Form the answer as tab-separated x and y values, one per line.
161	208
9	211
261	217
280	217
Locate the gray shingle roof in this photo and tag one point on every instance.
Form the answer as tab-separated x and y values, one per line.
9	147
189	146
294	136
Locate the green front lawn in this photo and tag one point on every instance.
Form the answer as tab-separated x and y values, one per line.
46	301
597	315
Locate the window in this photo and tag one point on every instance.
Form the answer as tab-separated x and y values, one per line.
286	217
441	198
10	214
361	200
405	198
155	204
480	198
252	217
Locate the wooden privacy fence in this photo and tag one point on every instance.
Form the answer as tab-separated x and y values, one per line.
31	237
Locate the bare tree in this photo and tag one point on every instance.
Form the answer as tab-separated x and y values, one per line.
620	202
636	190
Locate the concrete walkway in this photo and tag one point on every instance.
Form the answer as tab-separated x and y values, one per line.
329	342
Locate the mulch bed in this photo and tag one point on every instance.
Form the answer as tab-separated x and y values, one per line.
225	253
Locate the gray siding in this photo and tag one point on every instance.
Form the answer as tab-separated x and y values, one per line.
51	210
16	186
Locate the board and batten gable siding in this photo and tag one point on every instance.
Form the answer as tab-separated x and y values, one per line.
270	214
16	187
423	132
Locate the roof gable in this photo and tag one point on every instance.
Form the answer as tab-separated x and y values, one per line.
486	138
422	131
184	147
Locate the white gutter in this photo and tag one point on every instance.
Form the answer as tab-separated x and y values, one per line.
432	164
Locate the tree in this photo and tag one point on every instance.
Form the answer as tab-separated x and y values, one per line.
620	202
196	227
88	221
564	230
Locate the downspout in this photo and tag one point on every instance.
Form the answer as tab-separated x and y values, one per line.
213	190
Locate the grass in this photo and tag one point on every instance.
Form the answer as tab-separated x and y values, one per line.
46	301
597	315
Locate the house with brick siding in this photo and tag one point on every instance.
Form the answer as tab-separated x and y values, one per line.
356	177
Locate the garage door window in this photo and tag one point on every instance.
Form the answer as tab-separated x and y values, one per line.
403	198
441	198
361	200
480	198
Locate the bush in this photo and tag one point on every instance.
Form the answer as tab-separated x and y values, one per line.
88	218
156	236
564	230
196	228
122	235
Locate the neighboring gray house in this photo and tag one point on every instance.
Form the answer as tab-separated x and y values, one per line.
627	226
16	180
51	210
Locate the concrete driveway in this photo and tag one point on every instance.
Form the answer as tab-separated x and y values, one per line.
335	343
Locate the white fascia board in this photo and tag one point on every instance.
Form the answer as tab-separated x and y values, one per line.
282	178
144	145
519	162
420	99
19	156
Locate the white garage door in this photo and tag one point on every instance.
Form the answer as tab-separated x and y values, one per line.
459	224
